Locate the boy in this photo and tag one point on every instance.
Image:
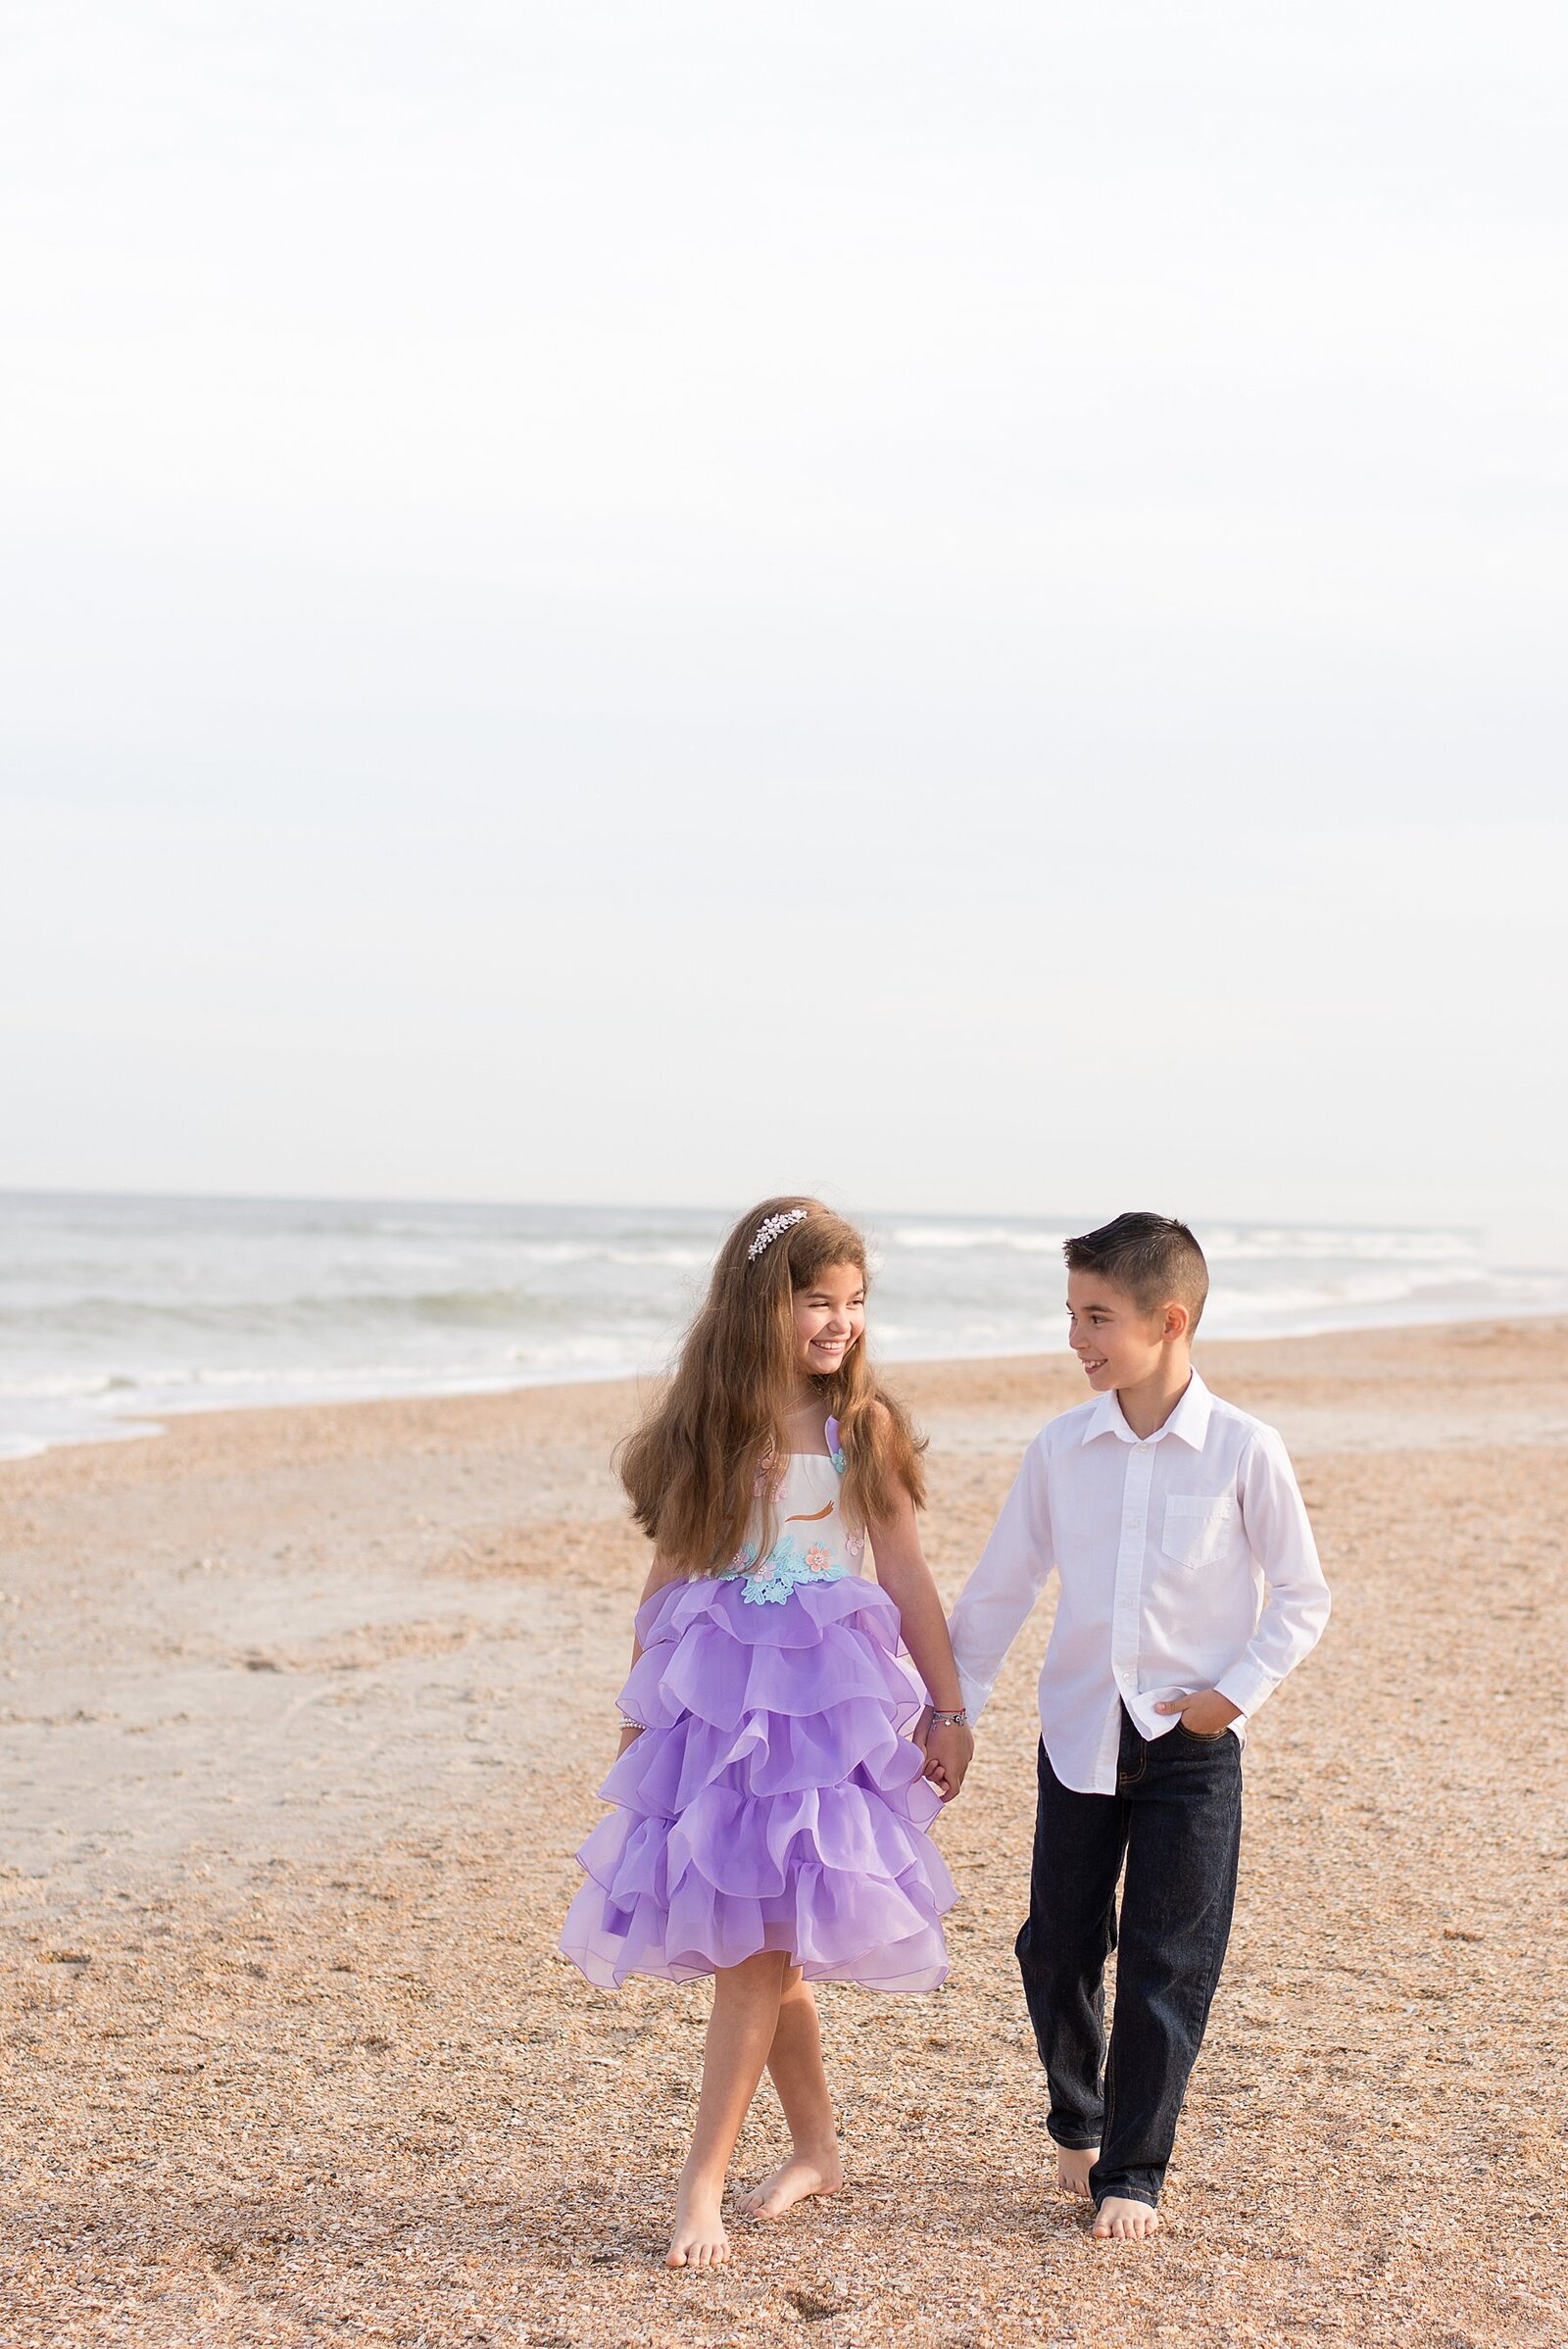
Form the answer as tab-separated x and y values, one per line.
1169	1515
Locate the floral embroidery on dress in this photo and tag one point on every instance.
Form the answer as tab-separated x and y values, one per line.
783	1570
835	1449
816	1557
855	1545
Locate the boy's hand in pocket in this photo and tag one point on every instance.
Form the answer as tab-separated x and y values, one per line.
1205	1712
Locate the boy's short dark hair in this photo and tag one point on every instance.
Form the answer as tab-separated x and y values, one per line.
1154	1257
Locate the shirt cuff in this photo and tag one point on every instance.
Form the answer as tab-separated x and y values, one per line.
1247	1685
975	1694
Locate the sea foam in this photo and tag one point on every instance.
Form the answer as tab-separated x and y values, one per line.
116	1312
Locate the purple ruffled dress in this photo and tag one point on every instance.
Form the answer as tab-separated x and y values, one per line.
772	1800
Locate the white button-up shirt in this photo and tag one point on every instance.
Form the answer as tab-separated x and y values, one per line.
1187	1562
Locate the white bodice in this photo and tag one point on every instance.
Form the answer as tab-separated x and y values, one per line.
811	1539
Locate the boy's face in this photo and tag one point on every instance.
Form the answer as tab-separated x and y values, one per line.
1116	1342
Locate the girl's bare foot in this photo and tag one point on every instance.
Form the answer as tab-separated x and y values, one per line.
1123	2221
791	2182
1073	2164
698	2240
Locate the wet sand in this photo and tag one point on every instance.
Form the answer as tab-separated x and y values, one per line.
302	1718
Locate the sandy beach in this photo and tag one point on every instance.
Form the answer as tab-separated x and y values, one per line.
303	1714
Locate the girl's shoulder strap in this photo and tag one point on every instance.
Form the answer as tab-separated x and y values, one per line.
835	1449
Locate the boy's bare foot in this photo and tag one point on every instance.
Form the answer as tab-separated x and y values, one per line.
1073	2164
791	2182
698	2240
1120	2220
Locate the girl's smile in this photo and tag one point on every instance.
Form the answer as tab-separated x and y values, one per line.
829	1319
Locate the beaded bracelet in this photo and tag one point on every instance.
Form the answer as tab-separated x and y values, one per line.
626	1722
957	1720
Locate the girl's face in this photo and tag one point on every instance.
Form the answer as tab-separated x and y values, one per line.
829	1319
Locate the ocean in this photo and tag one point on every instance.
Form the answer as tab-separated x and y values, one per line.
116	1312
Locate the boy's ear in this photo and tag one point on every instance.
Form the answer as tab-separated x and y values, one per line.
1178	1322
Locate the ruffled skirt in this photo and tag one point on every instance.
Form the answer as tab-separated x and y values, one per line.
771	1801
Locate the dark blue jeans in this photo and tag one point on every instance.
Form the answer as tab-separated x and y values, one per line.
1176	1819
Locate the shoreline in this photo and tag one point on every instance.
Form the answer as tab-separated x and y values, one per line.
136	1431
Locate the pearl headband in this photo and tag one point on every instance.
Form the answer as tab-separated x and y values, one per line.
769	1230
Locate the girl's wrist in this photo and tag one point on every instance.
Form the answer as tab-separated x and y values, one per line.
956	1717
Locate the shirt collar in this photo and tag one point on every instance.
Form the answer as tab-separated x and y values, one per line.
1105	1419
1189	1420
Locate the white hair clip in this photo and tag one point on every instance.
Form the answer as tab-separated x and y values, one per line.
769	1230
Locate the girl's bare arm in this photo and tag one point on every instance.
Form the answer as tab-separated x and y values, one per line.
904	1576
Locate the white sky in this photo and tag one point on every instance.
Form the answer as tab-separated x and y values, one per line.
625	602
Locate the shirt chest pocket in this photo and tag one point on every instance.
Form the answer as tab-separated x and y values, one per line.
1202	1528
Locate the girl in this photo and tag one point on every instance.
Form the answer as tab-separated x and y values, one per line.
772	1818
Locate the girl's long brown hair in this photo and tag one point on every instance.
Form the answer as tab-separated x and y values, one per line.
692	1469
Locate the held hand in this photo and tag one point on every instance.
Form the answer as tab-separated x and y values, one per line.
1205	1712
949	1751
